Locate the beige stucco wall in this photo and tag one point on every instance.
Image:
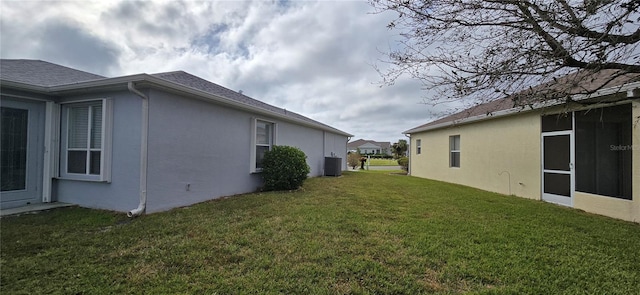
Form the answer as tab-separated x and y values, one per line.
487	148
618	208
512	144
608	206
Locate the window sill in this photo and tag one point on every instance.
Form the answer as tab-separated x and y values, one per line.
82	179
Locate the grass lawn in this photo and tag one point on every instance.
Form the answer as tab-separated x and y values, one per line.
383	162
364	233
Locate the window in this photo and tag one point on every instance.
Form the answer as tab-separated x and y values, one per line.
604	151
558	122
418	146
454	151
263	141
86	140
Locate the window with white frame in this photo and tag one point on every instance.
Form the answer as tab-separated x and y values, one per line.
418	146
86	131
454	151
264	139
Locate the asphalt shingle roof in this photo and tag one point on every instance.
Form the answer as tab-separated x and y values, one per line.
46	74
189	80
42	73
575	83
356	143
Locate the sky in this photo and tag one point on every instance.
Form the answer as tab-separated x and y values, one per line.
315	58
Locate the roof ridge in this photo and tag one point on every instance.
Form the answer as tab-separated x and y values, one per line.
172	72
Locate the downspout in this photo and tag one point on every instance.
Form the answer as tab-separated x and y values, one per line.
144	134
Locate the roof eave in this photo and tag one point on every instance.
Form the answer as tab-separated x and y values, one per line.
600	93
468	120
23	86
168	85
151	81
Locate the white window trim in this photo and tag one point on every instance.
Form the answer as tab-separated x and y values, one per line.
252	157
451	151
105	151
418	146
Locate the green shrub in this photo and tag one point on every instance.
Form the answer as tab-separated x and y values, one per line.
284	168
404	163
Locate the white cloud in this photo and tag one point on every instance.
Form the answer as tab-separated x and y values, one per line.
314	58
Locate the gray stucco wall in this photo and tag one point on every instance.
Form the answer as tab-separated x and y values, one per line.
336	144
316	144
122	193
309	140
199	150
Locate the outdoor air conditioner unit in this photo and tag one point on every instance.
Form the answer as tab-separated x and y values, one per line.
332	166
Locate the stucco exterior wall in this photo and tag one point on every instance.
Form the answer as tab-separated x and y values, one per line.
316	144
310	141
122	193
513	144
618	208
199	150
335	145
491	152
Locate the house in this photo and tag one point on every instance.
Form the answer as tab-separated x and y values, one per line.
145	142
584	154
367	147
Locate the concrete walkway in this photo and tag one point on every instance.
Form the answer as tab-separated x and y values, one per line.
378	168
33	208
385	168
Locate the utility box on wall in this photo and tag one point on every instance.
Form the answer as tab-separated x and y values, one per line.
332	166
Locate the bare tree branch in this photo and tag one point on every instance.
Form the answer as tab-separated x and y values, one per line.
480	50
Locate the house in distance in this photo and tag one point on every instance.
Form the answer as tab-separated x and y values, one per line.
370	147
